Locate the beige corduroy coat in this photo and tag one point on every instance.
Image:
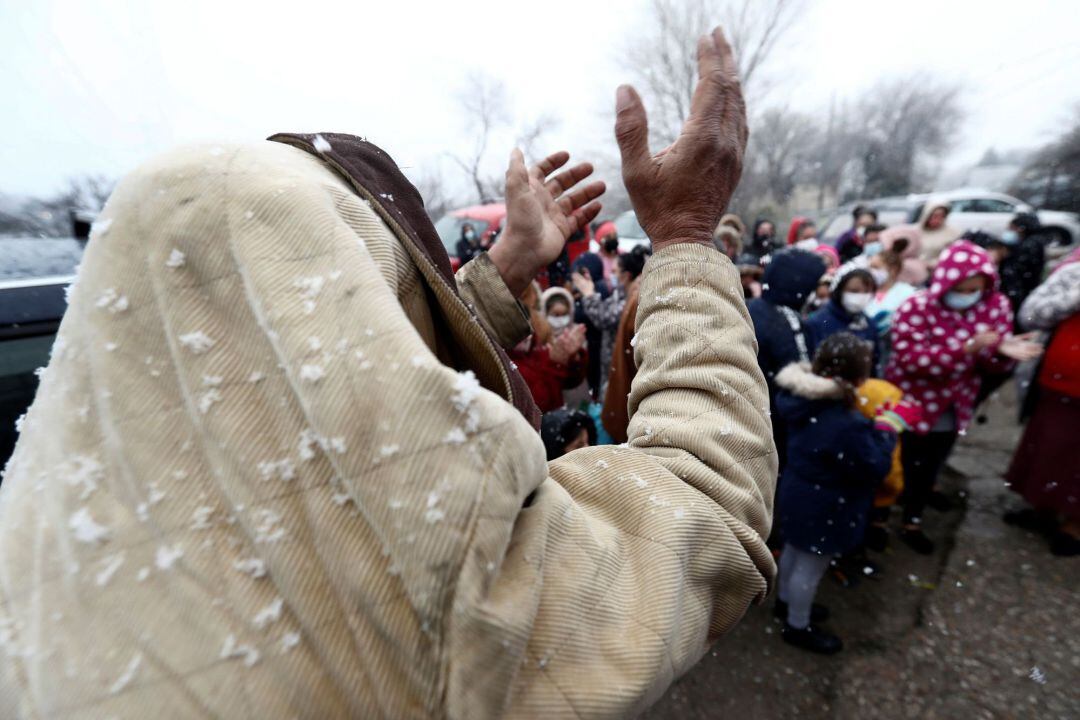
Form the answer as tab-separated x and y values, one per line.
248	487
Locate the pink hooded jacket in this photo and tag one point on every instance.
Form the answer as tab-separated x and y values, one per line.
929	361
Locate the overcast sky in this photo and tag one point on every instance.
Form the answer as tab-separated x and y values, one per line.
96	87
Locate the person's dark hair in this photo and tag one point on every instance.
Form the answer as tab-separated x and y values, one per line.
982	239
759	222
559	427
1026	223
877	227
466	226
846	359
863	210
633	262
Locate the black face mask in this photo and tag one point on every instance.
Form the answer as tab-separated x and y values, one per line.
611	244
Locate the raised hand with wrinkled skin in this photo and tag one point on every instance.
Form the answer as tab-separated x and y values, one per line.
542	213
680	193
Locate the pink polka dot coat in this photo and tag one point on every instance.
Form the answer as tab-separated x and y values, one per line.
929	362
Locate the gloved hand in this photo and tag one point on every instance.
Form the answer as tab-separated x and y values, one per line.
900	417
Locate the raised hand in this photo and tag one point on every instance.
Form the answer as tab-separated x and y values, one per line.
564	347
583	283
680	193
542	213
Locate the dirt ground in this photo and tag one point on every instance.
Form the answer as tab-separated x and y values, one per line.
987	627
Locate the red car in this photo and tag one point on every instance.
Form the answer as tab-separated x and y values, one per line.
488	220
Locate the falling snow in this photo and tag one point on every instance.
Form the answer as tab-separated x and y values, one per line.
176	259
312	373
109	567
166	556
197	342
86	529
129	674
270	613
233	650
321	144
254	567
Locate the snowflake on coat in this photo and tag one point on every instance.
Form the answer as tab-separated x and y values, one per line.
929	361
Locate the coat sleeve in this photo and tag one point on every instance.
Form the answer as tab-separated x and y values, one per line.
482	287
604	312
1053	301
868	452
630	560
917	353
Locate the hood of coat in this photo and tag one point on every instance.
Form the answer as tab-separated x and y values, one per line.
556	292
957	263
804	393
793	229
790	277
845	274
732	220
908	233
928	209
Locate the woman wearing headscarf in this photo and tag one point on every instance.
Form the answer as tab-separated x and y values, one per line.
944	339
935	233
763	239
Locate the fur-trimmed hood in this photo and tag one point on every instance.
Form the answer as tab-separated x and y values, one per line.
799	380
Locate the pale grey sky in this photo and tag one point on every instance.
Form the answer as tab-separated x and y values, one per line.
96	87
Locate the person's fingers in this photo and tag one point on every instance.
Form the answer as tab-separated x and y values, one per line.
572	201
517	177
707	100
568	179
548	165
631	129
582	217
734	103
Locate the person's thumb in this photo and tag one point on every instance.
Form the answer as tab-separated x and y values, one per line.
631	128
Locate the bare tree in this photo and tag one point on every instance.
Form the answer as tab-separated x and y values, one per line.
432	187
529	137
904	127
665	57
483	102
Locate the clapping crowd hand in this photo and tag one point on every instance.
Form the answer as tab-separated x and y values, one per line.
564	347
583	283
543	209
680	193
981	341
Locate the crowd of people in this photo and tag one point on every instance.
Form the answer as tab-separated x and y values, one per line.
878	350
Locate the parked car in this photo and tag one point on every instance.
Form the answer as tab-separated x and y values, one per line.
488	221
991	212
30	313
893	210
630	233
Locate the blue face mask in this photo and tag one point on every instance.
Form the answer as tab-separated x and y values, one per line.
1010	237
872	249
962	301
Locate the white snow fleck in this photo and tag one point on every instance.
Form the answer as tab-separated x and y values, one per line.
129	674
387	196
395	504
679	513
155	495
254	567
86	529
433	514
167	556
248	215
337	444
200	518
100	227
309	287
256	376
289	640
268	530
20	422
307	445
109	567
233	650
197	342
312	373
1037	675
334	274
270	613
110	346
85	471
143	574
340	498
112	301
211	380
321	144
314	343
455	436
602	464
283	469
207	400
389	450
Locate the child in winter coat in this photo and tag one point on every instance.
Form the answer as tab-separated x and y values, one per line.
944	339
851	291
836	460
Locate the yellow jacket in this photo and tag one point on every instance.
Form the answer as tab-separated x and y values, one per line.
872	395
248	487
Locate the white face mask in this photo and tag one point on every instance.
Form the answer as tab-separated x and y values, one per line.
855	303
558	322
809	244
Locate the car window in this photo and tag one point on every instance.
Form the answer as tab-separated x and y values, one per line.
988	205
32	257
19	358
449	229
959	206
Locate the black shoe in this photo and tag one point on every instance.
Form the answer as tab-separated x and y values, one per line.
812	638
818	613
877	538
1064	545
917	541
939	501
1030	519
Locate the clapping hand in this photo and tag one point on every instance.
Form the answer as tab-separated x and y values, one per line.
542	213
1020	347
564	347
